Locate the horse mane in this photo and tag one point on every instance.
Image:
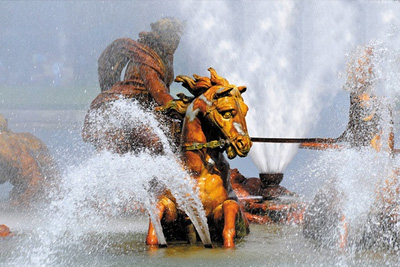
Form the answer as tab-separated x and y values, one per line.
198	84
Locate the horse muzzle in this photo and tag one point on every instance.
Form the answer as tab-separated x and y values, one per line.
240	146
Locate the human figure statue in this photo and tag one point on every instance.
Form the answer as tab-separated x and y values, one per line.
148	76
370	125
25	162
370	116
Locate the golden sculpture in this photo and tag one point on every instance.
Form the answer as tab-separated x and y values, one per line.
203	126
214	122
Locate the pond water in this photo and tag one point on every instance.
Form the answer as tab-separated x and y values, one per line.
121	242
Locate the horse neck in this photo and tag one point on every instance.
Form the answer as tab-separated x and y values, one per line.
193	132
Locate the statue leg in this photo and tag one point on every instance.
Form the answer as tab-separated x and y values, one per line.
166	208
230	209
30	179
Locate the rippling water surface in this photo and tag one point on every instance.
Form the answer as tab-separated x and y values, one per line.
121	242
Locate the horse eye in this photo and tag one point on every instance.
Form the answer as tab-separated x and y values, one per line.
228	114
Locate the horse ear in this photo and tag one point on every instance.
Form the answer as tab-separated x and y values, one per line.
216	79
224	90
186	81
242	89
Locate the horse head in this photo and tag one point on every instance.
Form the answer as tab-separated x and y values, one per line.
220	109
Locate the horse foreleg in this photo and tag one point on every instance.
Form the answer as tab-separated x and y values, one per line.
151	238
230	209
167	208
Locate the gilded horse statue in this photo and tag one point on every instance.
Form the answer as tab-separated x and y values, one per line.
214	122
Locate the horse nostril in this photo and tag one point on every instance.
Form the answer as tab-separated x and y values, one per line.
240	143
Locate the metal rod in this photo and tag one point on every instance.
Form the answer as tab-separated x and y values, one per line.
293	140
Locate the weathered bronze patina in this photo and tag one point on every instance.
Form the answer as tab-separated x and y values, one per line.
148	76
26	163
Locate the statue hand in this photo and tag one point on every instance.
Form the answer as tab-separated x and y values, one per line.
174	106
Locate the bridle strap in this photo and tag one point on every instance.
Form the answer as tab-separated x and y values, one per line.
212	144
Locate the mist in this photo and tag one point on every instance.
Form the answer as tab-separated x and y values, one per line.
49	52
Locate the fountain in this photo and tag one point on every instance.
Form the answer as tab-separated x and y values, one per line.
289	54
369	136
270	179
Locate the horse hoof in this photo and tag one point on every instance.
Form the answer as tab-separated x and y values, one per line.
208	245
162	245
229	244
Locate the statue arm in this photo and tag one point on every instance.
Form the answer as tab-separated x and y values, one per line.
157	88
352	112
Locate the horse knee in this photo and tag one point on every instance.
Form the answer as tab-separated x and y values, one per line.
230	207
170	211
226	209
